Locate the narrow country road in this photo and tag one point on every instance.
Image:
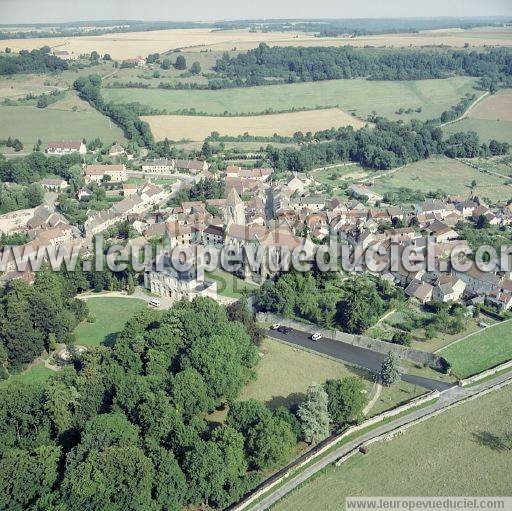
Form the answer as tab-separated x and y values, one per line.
354	355
446	399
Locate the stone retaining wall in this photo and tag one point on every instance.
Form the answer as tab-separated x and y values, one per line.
417	356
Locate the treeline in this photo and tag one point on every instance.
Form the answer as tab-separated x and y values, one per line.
35	166
36	317
125	429
14	197
89	89
35	61
294	64
389	144
328	300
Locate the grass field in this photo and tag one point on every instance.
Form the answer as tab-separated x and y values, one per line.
495	107
446	175
284	373
486	129
445	455
131	44
195	127
482	350
58	122
35	375
111	315
229	285
358	95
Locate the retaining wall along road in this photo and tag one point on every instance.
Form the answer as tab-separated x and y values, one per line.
417	356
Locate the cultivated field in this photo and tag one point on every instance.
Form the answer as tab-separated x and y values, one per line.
125	45
111	315
68	119
442	456
481	351
197	128
495	107
491	118
357	96
446	175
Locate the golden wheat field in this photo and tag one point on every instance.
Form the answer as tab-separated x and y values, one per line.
197	127
132	44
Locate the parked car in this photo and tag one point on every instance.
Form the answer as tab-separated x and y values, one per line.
284	329
316	336
275	326
154	303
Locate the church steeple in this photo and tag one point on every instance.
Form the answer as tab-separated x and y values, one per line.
235	209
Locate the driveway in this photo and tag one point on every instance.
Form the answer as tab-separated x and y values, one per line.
354	355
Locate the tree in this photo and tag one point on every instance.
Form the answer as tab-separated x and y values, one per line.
314	415
390	370
206	150
359	308
482	222
181	63
95	56
402	338
269	443
118	478
190	393
26	476
346	400
195	68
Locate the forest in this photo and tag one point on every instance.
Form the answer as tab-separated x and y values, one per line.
295	64
89	89
35	61
389	144
126	428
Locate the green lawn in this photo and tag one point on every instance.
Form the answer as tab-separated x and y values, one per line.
446	175
228	285
446	455
482	350
486	129
36	375
29	123
111	315
284	373
357	95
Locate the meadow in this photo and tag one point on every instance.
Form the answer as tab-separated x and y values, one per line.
445	175
68	119
441	456
480	351
197	128
357	96
285	372
229	285
132	44
111	314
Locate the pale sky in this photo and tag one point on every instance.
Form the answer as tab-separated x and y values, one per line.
44	11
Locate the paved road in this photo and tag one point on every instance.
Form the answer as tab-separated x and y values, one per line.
447	398
353	355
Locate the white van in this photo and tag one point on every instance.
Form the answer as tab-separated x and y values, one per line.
154	302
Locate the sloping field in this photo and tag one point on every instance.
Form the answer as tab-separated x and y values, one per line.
131	44
359	95
450	454
197	128
486	129
481	351
446	175
29	123
495	107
